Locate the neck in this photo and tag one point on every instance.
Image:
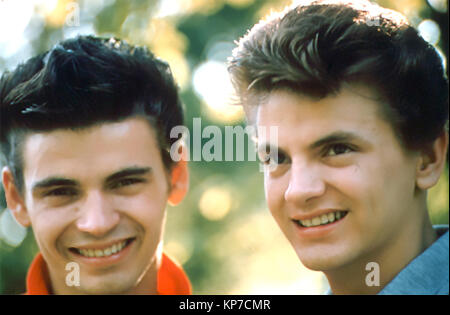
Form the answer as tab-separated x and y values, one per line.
360	277
148	284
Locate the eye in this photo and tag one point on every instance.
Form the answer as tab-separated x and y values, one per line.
275	163
125	182
338	149
61	192
271	158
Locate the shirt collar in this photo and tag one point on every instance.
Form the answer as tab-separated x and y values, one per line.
171	278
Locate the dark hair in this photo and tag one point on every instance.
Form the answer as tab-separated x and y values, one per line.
82	82
316	48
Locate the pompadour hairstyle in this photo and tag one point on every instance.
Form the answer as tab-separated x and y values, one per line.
315	49
82	82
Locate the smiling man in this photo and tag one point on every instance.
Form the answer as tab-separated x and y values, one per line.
360	103
85	137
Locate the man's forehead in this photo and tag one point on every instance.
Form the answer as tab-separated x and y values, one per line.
357	88
351	114
113	130
350	100
108	144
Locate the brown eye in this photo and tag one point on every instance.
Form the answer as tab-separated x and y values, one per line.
338	149
61	192
279	158
126	182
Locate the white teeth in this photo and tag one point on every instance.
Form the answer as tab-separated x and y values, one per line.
103	252
331	217
316	221
322	219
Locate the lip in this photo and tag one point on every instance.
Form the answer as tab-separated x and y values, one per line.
104	261
319	231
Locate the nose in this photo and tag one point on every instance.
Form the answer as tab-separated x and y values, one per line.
305	183
97	215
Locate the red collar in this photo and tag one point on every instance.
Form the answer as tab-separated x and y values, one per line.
171	278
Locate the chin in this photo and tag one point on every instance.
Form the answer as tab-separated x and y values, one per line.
106	289
317	264
107	286
319	260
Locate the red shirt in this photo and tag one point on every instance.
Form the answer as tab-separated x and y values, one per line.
171	278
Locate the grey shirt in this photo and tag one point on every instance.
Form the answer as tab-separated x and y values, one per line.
427	274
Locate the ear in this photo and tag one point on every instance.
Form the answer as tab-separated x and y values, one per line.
14	199
431	162
179	179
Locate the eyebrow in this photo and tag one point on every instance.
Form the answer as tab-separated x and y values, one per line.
61	181
338	136
129	171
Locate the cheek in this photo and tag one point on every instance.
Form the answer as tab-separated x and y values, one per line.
274	191
147	209
359	189
360	180
49	226
371	191
398	190
150	214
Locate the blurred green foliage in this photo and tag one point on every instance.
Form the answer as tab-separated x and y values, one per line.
238	248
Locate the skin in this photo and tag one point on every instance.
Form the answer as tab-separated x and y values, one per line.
338	153
116	187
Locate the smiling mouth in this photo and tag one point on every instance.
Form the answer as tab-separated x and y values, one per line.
103	252
323	219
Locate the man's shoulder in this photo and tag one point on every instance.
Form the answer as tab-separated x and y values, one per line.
443	243
428	273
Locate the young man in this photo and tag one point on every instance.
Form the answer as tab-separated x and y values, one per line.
85	137
361	103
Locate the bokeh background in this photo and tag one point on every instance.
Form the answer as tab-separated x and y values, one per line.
222	233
